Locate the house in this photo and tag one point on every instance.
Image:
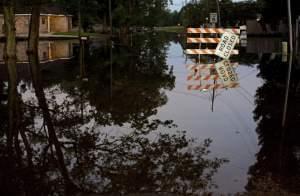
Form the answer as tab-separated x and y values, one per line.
52	19
255	28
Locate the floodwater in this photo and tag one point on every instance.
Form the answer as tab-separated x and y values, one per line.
129	121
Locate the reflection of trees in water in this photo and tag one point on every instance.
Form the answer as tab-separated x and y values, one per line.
3	107
151	156
139	76
278	159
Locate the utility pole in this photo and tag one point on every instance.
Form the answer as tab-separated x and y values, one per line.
215	81
290	64
219	13
79	18
111	49
297	36
290	26
110	17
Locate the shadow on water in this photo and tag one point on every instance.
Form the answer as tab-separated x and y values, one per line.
276	170
99	134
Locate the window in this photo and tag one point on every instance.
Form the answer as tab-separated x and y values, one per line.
43	21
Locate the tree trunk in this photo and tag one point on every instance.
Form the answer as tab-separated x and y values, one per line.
10	60
32	51
79	19
82	59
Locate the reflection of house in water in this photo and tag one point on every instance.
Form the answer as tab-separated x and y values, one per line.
48	51
206	77
257	45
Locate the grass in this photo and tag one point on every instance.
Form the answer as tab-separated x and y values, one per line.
171	29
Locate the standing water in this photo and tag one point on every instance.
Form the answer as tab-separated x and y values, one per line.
131	125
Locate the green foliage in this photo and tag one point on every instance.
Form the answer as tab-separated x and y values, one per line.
275	10
125	13
140	13
232	13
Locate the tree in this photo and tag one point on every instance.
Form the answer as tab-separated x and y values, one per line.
269	7
10	60
276	171
32	52
232	13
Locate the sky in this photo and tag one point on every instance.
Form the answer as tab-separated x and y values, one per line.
177	4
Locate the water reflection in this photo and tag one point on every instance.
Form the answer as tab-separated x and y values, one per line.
48	50
261	45
65	142
219	75
51	54
278	159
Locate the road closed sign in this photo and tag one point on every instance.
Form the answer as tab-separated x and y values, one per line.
226	72
226	46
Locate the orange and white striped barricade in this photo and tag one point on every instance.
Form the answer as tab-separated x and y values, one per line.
193	67
197	73
193	77
213	30
221	74
194	87
207	51
193	40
